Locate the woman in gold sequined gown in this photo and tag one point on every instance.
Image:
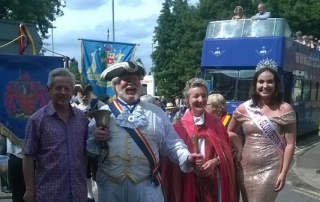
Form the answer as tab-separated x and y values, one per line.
263	167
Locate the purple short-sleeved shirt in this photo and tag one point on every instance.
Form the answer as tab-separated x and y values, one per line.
59	150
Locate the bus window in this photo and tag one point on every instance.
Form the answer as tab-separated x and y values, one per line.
314	91
223	82
318	92
244	89
306	90
244	84
296	95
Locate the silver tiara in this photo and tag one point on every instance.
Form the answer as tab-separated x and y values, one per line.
267	63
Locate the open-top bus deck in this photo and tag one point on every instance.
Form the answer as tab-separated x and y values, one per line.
233	48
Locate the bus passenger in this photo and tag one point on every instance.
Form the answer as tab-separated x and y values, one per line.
306	41
269	126
262	13
299	38
238	11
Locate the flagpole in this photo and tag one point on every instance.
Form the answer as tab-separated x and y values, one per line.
113	32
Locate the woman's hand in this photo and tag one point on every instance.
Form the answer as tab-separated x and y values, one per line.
208	167
281	181
238	157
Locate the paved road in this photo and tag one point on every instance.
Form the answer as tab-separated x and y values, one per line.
303	183
296	190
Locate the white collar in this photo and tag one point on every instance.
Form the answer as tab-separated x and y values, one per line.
198	120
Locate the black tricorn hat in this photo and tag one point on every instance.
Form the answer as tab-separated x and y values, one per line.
123	68
83	87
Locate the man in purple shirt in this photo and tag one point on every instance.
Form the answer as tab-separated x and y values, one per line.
56	139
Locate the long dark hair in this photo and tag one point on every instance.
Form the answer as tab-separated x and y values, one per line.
277	96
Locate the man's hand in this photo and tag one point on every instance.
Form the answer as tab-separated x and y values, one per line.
29	196
195	159
101	134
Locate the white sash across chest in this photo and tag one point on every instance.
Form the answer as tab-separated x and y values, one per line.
265	125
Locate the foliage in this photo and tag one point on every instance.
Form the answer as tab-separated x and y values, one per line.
172	62
302	15
74	68
163	52
39	12
181	29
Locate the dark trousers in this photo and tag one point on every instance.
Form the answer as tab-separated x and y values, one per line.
16	179
92	167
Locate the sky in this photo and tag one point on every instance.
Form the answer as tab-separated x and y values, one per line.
135	21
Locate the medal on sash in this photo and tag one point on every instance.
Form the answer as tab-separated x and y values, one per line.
131	118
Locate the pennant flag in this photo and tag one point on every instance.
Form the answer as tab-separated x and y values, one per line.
96	56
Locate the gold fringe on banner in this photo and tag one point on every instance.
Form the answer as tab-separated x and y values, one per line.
9	134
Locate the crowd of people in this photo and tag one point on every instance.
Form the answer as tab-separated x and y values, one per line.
191	152
308	41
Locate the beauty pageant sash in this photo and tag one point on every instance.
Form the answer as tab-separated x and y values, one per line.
265	125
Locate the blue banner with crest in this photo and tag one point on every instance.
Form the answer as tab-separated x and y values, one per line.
97	56
23	89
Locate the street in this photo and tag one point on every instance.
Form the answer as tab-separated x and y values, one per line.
303	183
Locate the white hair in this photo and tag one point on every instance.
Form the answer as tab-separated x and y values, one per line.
60	72
216	100
148	98
114	82
192	83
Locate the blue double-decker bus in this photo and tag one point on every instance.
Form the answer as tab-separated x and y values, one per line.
233	48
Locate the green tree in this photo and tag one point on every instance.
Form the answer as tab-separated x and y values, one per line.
188	56
174	60
39	12
74	68
163	53
302	15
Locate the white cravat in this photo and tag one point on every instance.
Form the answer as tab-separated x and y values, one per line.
198	121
